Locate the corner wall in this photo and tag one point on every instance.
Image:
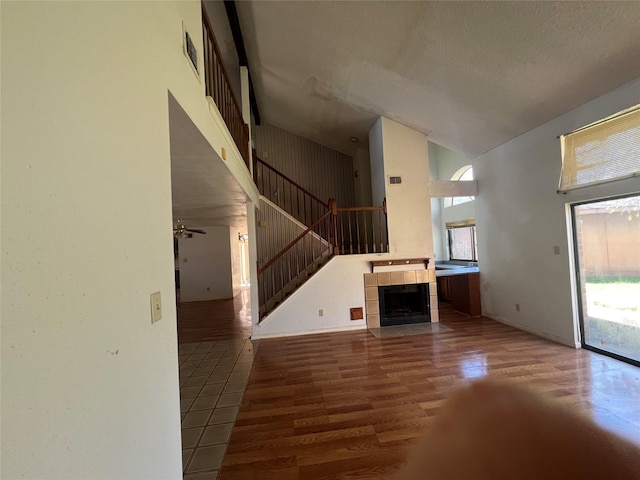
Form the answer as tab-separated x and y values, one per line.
376	155
447	163
362	177
520	218
334	289
89	385
404	153
206	265
439	248
321	170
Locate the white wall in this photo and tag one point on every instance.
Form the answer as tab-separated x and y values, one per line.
405	154
205	265
520	219
376	156
460	212
236	265
253	261
362	182
336	288
321	170
89	385
447	162
439	248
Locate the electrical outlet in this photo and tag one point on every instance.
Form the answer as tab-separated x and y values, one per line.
517	307
321	313
556	250
156	307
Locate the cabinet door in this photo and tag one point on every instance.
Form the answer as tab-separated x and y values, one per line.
475	307
460	293
444	290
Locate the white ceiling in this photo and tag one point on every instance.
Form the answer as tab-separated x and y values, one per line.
471	75
204	192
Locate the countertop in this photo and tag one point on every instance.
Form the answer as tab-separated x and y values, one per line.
448	271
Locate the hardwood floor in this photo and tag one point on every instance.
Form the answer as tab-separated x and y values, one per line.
349	405
215	319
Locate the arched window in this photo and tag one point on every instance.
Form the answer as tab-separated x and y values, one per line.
464	174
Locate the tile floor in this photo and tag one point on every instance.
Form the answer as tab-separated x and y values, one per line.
413	329
213	378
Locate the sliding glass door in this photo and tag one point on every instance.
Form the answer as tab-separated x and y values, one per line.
607	246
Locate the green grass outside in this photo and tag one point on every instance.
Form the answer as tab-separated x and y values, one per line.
602	279
613	307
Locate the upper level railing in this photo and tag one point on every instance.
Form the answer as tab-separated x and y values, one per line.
287	194
360	229
332	231
219	88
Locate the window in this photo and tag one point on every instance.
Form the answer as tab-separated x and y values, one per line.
465	174
606	233
602	152
462	241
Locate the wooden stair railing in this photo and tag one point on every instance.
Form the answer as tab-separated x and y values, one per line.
218	87
288	269
332	231
286	193
360	230
340	231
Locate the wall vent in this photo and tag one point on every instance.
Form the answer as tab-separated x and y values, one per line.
191	50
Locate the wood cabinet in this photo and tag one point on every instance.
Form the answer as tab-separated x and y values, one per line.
444	288
462	291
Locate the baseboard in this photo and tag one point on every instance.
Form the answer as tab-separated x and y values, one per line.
539	333
255	336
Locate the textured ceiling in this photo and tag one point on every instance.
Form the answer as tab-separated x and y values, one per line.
471	75
204	192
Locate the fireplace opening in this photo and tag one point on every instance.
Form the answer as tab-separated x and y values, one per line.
403	304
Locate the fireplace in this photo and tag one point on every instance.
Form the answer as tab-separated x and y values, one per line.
404	304
400	273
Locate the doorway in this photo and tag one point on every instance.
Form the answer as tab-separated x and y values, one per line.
243	239
607	246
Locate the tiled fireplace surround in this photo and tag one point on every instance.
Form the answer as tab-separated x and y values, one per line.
404	277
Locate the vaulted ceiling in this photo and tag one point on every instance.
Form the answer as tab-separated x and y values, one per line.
471	75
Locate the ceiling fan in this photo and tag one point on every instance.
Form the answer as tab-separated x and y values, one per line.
181	230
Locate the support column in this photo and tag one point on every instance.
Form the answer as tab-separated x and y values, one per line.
253	263
400	173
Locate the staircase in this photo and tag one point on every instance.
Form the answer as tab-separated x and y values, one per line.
302	233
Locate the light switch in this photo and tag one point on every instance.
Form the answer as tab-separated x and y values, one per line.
156	307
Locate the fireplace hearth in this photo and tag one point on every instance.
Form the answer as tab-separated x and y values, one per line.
404	304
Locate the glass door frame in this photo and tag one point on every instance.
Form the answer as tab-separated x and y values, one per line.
578	283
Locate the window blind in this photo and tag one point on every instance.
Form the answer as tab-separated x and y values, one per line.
602	152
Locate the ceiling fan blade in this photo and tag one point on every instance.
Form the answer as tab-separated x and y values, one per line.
193	230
